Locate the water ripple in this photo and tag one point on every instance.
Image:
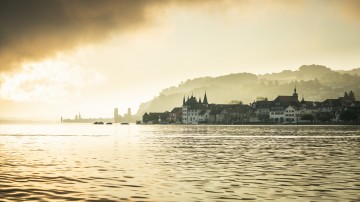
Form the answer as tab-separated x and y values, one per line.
179	163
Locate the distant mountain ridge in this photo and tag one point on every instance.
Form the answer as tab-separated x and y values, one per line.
313	82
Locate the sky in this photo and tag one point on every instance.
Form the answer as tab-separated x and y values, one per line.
59	58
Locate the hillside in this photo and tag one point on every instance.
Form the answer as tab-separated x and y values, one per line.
313	82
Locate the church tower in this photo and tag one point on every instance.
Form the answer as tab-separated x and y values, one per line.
295	94
205	101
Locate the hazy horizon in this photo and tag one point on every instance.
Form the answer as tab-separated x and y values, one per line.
59	58
109	113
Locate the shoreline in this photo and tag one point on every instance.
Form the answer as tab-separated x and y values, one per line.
265	123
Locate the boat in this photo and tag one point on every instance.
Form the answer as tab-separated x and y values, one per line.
108	123
125	123
99	123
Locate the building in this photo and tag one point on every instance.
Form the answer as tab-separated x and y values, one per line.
261	111
279	106
195	111
156	118
292	114
175	115
229	113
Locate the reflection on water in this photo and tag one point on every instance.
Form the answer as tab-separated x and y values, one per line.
179	163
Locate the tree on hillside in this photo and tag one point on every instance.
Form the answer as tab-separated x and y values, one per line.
307	117
324	117
352	95
349	115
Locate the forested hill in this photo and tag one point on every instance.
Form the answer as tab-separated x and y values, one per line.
313	82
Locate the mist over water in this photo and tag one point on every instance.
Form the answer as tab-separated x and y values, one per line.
179	163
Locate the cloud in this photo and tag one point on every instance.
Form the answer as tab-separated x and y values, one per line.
38	29
34	30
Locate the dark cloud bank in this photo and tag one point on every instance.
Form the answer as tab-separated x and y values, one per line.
34	30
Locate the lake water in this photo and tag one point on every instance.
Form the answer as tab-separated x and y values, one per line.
179	163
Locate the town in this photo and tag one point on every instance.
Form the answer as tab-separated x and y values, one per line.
282	110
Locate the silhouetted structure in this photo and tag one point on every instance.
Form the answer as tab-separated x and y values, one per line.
116	115
283	109
156	118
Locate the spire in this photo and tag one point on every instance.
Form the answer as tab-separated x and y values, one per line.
200	100
295	93
205	101
184	100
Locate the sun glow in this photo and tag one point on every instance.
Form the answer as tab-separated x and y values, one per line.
47	81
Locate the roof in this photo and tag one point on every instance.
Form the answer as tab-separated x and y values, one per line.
197	107
263	104
294	107
332	103
282	98
177	110
310	105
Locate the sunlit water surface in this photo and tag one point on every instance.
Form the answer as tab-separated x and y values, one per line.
179	163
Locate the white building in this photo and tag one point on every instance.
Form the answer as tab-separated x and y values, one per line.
292	114
194	111
276	115
195	115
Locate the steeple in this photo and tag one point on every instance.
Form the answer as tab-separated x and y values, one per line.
205	101
184	100
199	100
295	93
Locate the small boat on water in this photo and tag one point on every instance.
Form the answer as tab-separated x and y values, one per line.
124	123
99	123
108	123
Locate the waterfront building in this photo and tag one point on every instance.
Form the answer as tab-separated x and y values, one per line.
156	117
229	113
194	111
261	111
292	114
280	104
175	115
